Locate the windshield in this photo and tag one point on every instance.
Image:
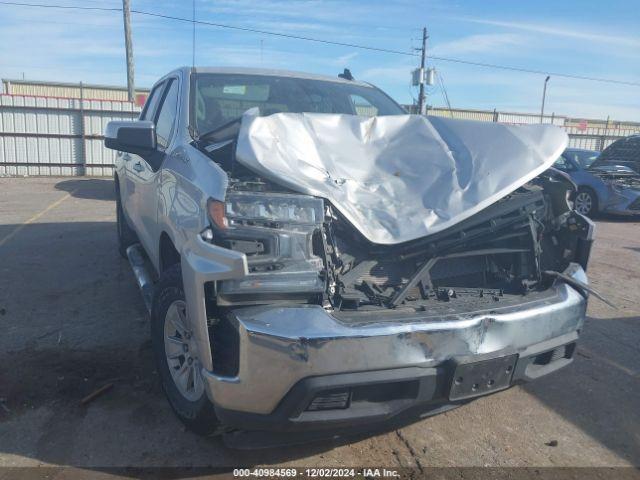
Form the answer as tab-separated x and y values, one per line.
220	98
583	158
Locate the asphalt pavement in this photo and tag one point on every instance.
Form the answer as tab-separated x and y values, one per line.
72	320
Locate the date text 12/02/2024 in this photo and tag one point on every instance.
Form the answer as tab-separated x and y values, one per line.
316	472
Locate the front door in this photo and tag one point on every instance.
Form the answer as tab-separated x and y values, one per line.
144	172
134	167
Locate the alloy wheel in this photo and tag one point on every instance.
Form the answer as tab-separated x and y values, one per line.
583	203
181	352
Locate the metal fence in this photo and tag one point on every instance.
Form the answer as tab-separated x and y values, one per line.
588	134
596	138
57	136
64	136
34	88
496	116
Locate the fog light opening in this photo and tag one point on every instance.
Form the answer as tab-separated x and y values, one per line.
330	400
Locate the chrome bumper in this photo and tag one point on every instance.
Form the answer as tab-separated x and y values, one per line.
280	346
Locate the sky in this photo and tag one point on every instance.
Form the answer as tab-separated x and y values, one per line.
578	37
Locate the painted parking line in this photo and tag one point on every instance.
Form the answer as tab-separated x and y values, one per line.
17	230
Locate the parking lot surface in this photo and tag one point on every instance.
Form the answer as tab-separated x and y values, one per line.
73	320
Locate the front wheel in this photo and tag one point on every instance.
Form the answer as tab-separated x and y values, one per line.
177	357
586	202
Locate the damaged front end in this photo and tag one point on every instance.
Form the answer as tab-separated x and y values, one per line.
493	259
327	327
623	186
305	249
278	233
300	250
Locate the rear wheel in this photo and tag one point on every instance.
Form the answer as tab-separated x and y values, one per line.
126	235
177	357
586	202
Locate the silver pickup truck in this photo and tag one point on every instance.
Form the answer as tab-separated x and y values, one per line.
316	259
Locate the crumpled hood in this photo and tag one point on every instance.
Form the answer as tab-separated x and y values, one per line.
402	177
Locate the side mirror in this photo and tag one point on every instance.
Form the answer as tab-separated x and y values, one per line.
137	137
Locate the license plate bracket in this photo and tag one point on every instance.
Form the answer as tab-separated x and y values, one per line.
483	377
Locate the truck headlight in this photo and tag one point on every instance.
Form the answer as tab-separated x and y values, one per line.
276	232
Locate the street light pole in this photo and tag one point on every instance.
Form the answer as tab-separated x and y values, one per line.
544	95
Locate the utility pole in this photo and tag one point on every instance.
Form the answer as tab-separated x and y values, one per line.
193	38
421	99
544	95
126	13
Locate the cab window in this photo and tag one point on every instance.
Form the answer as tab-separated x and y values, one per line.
167	116
151	104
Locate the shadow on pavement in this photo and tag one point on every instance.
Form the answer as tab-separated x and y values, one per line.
88	188
74	321
600	391
80	324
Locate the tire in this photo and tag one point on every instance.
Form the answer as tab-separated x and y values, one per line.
191	405
586	202
126	235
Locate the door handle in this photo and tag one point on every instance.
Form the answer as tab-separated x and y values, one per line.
138	167
126	157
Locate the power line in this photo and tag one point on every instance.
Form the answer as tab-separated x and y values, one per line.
69	7
538	72
274	34
331	42
214	24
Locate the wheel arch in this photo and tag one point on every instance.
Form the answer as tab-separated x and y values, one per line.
116	183
168	254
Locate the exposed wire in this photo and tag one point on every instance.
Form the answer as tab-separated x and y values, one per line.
331	42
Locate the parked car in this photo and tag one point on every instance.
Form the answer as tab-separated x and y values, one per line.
602	186
312	269
625	152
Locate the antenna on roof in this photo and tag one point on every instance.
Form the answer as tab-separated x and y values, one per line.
346	74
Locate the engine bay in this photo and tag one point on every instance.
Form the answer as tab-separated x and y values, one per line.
493	258
621	178
301	249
